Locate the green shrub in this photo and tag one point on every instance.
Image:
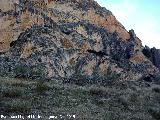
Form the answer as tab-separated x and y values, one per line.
19	84
156	89
98	91
22	71
17	106
134	97
113	76
155	112
38	72
12	93
157	77
41	87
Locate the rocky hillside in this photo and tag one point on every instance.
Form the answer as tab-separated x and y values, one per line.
72	59
70	40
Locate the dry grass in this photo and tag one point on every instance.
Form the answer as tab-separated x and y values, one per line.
72	61
121	101
138	58
84	47
67	43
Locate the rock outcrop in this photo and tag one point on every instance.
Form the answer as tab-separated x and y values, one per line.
153	54
71	39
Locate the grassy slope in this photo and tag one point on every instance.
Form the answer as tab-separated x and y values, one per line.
120	101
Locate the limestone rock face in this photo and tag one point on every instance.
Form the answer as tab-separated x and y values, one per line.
153	54
69	39
156	57
18	15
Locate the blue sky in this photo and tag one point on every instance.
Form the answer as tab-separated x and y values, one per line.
141	15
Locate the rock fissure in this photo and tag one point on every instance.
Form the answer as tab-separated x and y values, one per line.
100	53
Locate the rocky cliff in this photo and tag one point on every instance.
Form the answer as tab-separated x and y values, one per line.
153	54
68	39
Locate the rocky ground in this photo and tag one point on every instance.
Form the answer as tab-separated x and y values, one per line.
73	57
129	100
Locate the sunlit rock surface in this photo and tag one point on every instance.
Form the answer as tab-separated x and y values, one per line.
68	39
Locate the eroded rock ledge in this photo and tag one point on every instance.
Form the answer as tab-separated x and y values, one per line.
153	54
